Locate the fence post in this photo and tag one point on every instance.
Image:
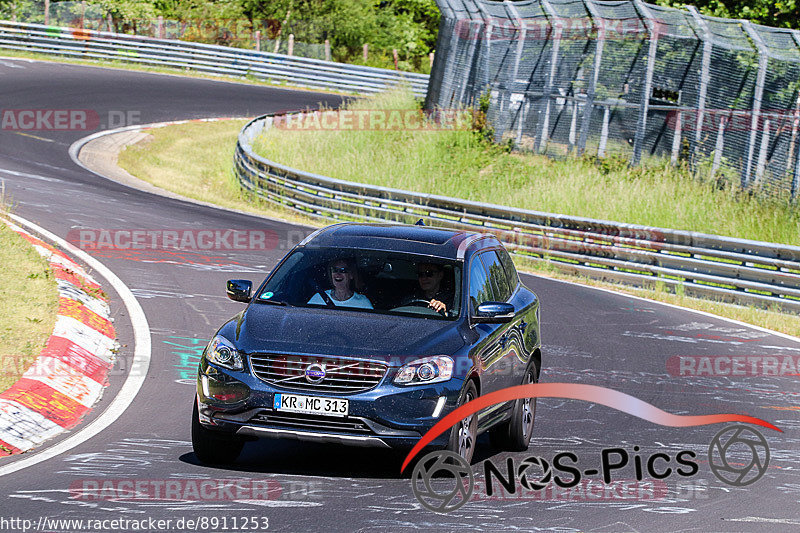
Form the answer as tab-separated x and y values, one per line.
757	97
327	50
470	56
365	51
521	35
653	28
291	44
46	13
396	57
557	25
83	14
705	76
598	23
720	146
160	27
258	40
488	27
762	153
601	148
676	137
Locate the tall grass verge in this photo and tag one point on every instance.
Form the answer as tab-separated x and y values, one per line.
461	164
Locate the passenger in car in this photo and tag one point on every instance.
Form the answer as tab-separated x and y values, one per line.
342	274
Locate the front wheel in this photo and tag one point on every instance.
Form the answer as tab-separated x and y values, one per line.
213	447
515	435
464	434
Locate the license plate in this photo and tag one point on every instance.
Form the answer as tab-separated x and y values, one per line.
312	405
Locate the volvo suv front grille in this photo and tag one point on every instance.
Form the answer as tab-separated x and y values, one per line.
340	375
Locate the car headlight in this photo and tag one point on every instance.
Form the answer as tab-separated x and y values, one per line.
423	371
220	351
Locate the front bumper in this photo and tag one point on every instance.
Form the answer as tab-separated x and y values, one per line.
387	416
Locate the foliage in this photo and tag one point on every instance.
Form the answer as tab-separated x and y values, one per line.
780	14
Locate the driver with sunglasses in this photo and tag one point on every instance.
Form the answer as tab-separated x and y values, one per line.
429	276
342	276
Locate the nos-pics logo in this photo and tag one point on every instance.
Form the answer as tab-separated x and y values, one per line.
443	481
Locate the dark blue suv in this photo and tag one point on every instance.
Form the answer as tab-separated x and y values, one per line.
366	335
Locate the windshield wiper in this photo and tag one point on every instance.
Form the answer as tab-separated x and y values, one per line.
273	302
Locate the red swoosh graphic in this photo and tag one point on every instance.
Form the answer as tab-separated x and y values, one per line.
574	391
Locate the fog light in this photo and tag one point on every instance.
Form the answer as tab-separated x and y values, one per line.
225	390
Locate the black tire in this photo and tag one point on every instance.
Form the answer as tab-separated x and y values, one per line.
464	435
212	447
515	434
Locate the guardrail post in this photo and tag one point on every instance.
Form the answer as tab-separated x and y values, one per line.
291	44
599	23
705	76
557	25
757	98
653	28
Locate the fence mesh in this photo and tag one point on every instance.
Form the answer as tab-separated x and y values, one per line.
628	78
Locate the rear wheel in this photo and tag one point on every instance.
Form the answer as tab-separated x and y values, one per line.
213	447
464	434
515	434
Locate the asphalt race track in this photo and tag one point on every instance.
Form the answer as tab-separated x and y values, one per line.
589	336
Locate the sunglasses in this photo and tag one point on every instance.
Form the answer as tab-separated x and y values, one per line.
340	270
427	273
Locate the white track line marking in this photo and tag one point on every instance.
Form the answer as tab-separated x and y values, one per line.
136	376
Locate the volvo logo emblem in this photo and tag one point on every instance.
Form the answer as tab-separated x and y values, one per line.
315	373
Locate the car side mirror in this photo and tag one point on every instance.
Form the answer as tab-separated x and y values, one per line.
494	313
239	290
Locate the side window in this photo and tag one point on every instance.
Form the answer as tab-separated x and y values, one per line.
511	271
480	288
497	276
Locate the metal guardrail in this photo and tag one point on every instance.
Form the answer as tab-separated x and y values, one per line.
738	270
213	59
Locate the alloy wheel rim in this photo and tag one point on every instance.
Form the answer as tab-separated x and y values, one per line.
527	411
465	438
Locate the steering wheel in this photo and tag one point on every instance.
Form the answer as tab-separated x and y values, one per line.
420	302
325	298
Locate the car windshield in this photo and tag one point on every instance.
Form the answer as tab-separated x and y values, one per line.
367	281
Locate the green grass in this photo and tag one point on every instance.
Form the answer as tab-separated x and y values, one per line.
28	304
458	164
195	160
